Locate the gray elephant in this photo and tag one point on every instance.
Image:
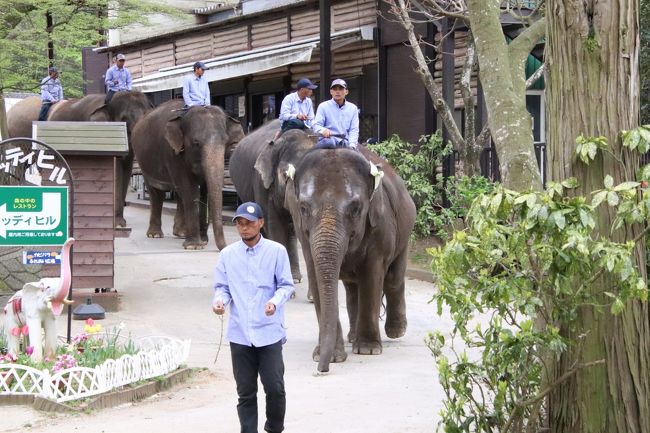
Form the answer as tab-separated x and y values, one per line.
353	220
258	171
184	151
128	107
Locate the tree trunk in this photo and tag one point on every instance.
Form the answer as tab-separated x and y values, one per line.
593	89
510	123
4	129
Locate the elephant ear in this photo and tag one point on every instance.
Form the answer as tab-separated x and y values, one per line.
377	205
174	134
100	114
264	165
32	288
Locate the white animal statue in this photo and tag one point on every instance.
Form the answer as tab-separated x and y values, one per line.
35	307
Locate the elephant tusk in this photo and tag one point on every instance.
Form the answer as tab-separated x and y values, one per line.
378	174
68	301
49	305
291	171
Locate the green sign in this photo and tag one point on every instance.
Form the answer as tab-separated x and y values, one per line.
33	215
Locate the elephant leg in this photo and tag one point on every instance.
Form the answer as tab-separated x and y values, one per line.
368	341
49	327
280	229
11	322
190	198
395	326
180	230
156	198
203	213
124	169
352	303
35	338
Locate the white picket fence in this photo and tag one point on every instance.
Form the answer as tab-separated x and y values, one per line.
158	355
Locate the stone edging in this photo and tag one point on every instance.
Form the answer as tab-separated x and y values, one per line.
109	399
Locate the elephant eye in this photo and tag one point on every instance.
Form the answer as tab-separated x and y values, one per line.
354	209
304	209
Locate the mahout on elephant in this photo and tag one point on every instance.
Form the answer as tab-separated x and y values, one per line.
353	216
184	150
128	107
259	172
33	310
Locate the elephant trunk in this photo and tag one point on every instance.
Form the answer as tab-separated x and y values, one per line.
328	245
213	167
65	279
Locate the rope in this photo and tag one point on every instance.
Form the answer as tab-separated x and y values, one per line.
220	340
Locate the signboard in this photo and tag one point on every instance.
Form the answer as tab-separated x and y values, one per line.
33	215
42	257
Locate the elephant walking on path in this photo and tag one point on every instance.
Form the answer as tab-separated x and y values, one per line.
258	171
184	151
128	107
353	216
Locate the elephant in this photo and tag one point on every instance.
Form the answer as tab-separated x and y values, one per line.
353	221
184	150
36	306
258	171
128	107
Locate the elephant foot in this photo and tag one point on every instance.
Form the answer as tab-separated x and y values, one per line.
179	233
155	233
193	245
338	356
297	280
310	296
395	328
352	336
120	221
367	347
297	277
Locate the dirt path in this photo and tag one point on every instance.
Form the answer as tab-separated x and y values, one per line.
166	291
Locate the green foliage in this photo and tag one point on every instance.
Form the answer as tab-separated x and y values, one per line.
521	270
416	165
24	37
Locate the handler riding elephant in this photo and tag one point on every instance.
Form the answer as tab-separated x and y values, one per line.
128	107
183	150
258	171
353	219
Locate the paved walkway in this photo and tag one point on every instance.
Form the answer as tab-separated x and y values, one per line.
166	291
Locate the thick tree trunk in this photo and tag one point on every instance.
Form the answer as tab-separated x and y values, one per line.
510	122
593	89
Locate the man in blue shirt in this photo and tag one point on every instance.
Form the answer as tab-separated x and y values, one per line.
196	90
118	78
297	111
51	92
337	120
253	276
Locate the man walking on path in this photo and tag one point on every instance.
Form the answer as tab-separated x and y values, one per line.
337	120
253	276
51	92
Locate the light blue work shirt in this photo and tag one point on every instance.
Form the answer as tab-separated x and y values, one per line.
342	119
292	106
196	91
123	77
51	89
247	278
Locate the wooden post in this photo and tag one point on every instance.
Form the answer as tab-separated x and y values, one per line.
325	49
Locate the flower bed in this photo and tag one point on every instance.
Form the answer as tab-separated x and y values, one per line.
86	368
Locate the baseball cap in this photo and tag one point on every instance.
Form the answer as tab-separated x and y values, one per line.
201	65
305	83
121	57
339	82
249	210
52	69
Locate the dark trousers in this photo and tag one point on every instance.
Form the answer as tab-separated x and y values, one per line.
247	363
45	108
109	96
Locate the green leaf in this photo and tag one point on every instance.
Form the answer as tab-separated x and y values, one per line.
612	198
570	183
626	186
617	306
631	139
609	181
598	198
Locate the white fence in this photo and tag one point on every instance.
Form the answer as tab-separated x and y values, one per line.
157	356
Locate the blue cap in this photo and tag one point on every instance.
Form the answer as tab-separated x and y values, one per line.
305	83
201	65
249	210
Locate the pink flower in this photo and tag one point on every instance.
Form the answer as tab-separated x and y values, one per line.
29	350
25	330
90	322
15	331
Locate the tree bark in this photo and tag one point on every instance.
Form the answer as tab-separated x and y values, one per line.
593	89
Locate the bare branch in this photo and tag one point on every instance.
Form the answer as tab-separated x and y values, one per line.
523	44
536	76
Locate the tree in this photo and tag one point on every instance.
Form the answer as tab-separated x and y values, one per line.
24	37
644	63
592	54
502	74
